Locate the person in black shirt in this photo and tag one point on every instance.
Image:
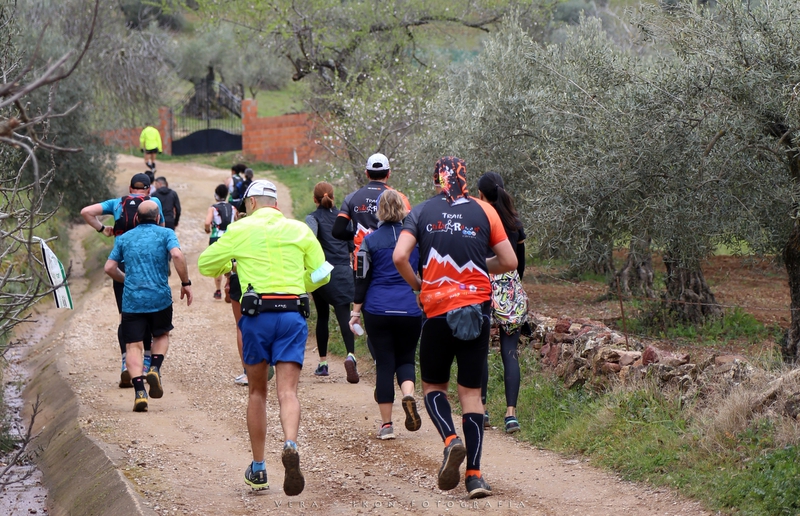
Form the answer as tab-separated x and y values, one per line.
509	300
170	203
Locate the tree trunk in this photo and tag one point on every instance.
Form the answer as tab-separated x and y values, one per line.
688	295
635	278
791	257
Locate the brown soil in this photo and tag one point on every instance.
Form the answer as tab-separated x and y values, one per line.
187	455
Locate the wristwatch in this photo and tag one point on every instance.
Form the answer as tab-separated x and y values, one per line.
186	283
102	228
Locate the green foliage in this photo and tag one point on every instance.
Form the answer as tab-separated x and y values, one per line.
656	320
141	13
768	485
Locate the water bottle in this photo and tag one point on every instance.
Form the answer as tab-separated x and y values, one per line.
358	330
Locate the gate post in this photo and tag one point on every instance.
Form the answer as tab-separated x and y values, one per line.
165	128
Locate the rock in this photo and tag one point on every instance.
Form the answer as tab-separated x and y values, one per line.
792	406
610	367
627	358
551	354
727	359
652	355
562	326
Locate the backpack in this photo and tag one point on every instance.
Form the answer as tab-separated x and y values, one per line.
225	211
130	213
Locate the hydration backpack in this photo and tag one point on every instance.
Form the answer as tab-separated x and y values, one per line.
130	214
225	211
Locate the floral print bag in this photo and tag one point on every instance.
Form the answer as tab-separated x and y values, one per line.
509	301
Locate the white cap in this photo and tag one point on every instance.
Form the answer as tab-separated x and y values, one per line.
378	163
261	187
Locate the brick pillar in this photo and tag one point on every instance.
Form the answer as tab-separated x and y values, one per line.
165	128
249	116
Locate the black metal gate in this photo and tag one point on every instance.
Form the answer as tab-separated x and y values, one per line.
209	119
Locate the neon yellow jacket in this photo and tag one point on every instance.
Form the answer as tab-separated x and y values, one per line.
150	139
273	254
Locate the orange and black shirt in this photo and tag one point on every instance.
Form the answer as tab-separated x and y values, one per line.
361	207
453	244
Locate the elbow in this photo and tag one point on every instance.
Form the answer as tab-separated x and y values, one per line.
110	267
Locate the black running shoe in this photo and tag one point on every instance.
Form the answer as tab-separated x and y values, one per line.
293	481
512	425
477	487
486	423
256	479
413	421
454	455
154	381
140	401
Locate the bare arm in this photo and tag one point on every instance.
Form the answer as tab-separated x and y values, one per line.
183	272
505	258
209	219
112	269
400	257
90	214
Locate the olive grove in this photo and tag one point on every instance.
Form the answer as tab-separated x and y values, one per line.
676	140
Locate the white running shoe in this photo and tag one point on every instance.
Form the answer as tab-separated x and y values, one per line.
241	379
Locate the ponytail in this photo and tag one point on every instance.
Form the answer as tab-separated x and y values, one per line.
323	194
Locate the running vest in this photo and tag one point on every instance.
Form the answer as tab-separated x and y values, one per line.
337	252
453	244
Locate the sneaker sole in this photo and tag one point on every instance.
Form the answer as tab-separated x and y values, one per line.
154	381
255	486
125	381
449	476
413	421
293	482
479	493
512	430
140	406
352	372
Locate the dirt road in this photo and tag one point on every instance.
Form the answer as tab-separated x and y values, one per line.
187	455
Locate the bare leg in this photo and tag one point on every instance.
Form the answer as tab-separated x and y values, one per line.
287	376
134	358
257	408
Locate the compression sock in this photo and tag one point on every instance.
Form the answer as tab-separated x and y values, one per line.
439	411
156	360
259	466
138	383
472	424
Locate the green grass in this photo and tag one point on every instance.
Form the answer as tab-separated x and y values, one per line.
282	102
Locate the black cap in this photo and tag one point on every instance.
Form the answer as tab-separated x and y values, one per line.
140	181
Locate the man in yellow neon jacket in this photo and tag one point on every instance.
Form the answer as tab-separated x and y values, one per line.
275	258
150	143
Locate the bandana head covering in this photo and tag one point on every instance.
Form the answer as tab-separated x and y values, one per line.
452	173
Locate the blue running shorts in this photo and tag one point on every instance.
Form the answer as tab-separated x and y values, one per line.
274	337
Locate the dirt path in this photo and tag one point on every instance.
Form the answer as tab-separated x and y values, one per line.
187	454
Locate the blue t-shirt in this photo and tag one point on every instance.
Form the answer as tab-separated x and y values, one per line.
145	251
114	206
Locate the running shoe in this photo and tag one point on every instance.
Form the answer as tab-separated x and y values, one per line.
270	372
454	455
217	295
322	370
477	487
125	381
413	421
140	401
293	481
256	479
154	381
350	367
512	425
486	423
241	380
386	432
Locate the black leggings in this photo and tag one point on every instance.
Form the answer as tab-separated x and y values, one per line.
511	375
394	342
342	313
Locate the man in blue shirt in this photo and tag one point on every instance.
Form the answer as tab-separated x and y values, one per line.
139	188
147	299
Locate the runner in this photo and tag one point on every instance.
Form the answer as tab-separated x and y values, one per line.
147	300
124	209
170	203
234	183
391	315
339	292
218	217
455	233
509	300
276	258
357	217
150	144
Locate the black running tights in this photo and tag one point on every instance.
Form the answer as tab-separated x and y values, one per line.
342	313
511	374
394	341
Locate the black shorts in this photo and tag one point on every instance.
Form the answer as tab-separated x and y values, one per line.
151	151
438	347
236	288
135	327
